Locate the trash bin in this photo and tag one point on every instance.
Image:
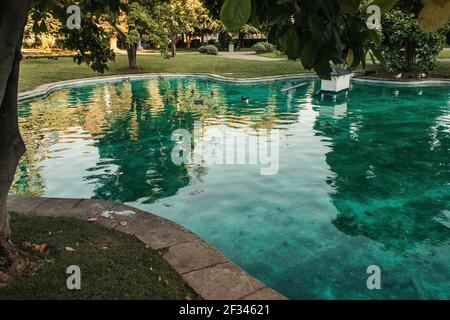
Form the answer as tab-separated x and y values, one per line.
231	47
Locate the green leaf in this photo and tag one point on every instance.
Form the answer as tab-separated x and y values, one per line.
292	44
375	36
36	28
309	53
385	5
350	57
349	7
235	13
323	70
317	26
377	53
372	57
43	27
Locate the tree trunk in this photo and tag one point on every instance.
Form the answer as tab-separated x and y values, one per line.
410	53
12	22
132	57
11	144
174	47
241	41
188	41
13	16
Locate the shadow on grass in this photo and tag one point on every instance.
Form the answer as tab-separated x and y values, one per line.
113	265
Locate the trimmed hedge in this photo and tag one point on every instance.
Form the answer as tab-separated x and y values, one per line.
263	47
209	49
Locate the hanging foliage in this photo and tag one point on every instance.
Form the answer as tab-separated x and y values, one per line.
319	33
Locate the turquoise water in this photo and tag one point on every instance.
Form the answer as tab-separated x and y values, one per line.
360	183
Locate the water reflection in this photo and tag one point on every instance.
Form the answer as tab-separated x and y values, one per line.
391	165
362	181
128	126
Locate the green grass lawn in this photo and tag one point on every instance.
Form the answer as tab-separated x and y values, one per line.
113	265
444	55
40	71
443	70
273	55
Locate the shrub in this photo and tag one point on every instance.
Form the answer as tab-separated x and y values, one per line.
47	41
406	48
278	53
209	49
263	47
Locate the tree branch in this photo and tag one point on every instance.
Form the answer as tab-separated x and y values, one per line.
13	16
116	28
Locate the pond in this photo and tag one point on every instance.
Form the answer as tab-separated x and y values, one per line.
358	182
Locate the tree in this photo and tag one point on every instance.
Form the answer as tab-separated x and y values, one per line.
132	23
129	19
316	32
91	49
46	39
406	48
178	17
91	41
214	7
205	24
244	32
12	22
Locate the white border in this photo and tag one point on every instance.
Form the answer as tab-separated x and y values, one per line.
396	83
45	89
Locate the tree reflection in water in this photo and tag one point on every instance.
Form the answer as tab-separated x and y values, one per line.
391	167
130	125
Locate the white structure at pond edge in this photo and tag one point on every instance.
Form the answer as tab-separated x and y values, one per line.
340	81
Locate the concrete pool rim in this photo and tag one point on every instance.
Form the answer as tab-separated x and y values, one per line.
45	89
204	268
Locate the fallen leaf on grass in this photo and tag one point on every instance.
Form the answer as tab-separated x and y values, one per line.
41	247
34	246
